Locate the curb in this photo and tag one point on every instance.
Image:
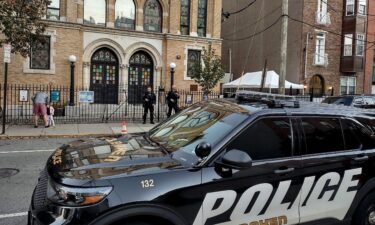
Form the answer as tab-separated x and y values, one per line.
6	137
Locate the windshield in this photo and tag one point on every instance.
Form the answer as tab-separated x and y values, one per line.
339	100
209	122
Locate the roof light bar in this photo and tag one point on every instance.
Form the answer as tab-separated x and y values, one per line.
271	100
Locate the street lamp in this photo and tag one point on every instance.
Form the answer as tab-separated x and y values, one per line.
72	60
172	66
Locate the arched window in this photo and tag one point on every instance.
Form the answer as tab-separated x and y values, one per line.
317	85
94	12
125	14
185	17
202	18
152	16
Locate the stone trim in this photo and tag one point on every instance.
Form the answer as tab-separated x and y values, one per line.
52	70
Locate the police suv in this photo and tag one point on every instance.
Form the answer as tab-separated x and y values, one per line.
259	160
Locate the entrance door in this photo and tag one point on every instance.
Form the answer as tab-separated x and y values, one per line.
104	76
140	76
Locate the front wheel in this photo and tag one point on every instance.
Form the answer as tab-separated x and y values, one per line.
365	214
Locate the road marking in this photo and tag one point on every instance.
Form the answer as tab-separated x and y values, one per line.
13	215
28	151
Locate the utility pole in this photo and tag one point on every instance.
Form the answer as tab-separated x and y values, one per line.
284	46
264	76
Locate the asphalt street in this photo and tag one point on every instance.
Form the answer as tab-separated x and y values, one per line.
26	158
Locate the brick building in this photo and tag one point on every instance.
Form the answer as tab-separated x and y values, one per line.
326	42
127	43
370	56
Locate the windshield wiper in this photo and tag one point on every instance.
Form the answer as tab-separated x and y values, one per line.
149	139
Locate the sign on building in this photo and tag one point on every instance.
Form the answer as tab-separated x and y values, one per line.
86	97
55	96
7	52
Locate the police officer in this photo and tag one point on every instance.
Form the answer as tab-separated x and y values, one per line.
149	100
172	98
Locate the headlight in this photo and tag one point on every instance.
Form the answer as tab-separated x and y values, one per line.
72	196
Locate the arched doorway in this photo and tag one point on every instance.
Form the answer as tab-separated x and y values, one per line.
317	86
104	76
140	75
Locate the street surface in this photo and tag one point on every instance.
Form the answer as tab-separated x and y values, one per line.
29	157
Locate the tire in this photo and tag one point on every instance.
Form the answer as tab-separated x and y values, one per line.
136	223
365	214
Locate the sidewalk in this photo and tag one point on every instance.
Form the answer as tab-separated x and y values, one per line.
71	130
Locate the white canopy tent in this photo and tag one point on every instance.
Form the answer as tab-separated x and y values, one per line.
254	79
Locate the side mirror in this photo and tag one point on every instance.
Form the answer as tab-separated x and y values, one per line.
236	159
203	150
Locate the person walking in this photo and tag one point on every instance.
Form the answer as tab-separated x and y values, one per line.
40	102
172	101
149	100
51	113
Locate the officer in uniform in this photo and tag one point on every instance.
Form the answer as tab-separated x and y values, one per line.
149	100
172	98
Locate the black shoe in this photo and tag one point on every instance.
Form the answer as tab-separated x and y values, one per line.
152	122
46	126
35	126
144	122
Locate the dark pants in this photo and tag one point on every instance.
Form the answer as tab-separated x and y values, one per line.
174	107
146	109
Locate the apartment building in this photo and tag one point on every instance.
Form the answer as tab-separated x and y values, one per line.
326	43
126	43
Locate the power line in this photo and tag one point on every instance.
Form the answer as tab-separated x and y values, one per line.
320	28
343	11
250	25
228	14
257	33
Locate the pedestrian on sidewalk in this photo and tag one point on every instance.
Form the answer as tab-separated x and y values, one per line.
172	101
40	102
51	113
149	100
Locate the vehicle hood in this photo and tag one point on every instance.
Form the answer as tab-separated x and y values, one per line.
103	158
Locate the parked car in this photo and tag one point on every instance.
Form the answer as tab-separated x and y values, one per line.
250	161
359	101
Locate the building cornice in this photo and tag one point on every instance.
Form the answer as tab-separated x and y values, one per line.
130	33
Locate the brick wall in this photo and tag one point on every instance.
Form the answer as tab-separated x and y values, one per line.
330	73
70	41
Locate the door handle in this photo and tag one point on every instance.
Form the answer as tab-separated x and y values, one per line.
361	158
284	171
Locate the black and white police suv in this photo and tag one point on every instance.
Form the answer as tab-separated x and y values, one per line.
254	161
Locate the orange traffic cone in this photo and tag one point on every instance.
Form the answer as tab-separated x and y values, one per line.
124	130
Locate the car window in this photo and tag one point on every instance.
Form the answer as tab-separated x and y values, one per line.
360	133
344	100
322	135
352	140
369	100
265	139
358	101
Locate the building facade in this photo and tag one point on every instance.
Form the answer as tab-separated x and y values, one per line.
121	43
370	56
326	43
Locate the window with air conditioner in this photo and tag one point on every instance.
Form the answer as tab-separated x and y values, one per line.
348	45
349	9
360	44
320	56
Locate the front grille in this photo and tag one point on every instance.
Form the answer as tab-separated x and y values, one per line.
40	193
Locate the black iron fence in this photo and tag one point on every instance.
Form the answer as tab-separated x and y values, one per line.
115	104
